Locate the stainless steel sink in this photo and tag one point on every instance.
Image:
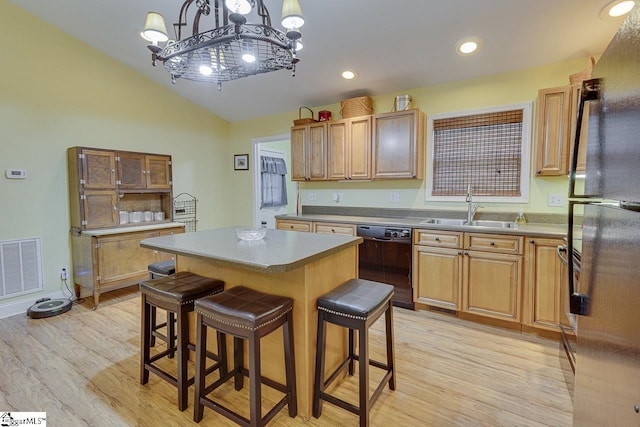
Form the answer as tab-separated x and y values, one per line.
444	221
494	224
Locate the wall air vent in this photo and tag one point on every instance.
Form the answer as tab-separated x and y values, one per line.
20	267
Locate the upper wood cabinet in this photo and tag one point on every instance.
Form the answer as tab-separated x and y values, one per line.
557	110
102	182
398	145
309	152
576	90
143	171
553	131
96	169
350	148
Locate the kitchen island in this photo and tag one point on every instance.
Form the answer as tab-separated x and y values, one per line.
298	265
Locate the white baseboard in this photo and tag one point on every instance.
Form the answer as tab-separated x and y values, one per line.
21	307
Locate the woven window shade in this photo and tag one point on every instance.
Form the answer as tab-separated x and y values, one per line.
483	150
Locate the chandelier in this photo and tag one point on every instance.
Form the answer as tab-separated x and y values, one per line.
233	48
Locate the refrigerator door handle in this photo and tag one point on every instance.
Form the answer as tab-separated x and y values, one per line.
590	92
578	303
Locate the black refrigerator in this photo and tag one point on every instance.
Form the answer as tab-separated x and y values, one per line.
606	299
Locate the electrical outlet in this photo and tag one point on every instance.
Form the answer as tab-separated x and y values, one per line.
64	272
555	200
312	196
394	197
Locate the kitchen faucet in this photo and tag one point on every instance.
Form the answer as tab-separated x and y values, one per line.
471	207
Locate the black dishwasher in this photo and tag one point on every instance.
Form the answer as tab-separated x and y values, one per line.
385	256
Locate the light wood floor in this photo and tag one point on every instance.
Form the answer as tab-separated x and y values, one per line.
82	368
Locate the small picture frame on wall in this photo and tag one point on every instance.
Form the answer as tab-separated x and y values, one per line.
241	162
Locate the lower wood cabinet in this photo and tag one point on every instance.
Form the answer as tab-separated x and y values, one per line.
331	228
470	272
545	284
113	260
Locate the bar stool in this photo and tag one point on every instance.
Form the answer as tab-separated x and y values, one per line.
356	304
246	315
156	271
176	294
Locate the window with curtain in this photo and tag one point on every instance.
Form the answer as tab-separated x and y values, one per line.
274	184
488	150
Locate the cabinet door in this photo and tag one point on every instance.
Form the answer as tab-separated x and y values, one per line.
158	171
98	169
99	209
298	154
398	140
553	131
359	141
436	276
317	151
121	259
338	150
131	170
544	283
491	285
165	256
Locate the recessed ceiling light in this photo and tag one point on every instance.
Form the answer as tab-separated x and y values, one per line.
617	8
468	46
349	75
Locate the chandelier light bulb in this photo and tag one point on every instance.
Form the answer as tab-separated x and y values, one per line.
298	44
249	57
206	70
242	7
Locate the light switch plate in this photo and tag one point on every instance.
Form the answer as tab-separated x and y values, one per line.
312	196
394	197
555	200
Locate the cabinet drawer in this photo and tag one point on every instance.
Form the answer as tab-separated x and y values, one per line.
493	243
293	225
443	239
349	230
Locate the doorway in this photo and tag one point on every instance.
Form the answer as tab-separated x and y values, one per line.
276	147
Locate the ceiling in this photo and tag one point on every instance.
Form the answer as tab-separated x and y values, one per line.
394	45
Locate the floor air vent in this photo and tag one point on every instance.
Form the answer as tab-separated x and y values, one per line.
20	267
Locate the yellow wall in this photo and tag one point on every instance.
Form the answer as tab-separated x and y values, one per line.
55	93
495	90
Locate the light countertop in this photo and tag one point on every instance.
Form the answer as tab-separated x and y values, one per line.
528	229
278	251
128	229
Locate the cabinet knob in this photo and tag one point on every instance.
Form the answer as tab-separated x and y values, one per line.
538	172
333	231
437	239
532	241
492	243
466	253
459	252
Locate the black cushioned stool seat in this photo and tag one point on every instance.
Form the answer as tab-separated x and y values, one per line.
246	315
356	305
176	294
156	271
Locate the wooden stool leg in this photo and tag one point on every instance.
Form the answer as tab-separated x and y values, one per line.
201	352
255	392
222	353
238	362
363	357
290	365
351	352
391	362
318	383
145	339
171	332
152	343
183	357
